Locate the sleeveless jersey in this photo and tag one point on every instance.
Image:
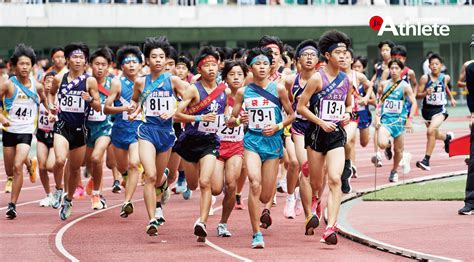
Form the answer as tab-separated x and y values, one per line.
230	134
393	105
437	99
157	102
72	108
126	93
96	116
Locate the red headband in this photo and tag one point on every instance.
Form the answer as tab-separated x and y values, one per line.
206	59
397	57
273	46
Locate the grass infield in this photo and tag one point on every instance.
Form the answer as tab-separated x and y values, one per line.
441	190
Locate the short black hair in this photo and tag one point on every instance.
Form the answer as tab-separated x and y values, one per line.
429	53
184	60
173	54
362	59
259	51
238	53
435	56
399	50
350	51
76	46
102	52
396	61
206	51
333	37
224	53
50	73
3	65
156	43
229	64
390	43
23	50
126	50
270	39
56	49
305	43
288	51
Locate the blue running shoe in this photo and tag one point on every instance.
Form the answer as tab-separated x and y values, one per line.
66	209
187	194
257	240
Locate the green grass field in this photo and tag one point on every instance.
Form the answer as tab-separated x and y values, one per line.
445	190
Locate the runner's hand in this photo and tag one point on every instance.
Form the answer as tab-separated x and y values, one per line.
346	118
453	102
51	117
269	130
131	108
363	101
209	117
166	115
86	96
429	91
5	122
244	117
132	117
328	127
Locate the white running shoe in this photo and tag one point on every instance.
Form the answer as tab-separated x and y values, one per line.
47	201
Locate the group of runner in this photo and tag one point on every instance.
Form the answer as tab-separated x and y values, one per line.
236	118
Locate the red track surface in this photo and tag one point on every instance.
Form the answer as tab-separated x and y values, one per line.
106	236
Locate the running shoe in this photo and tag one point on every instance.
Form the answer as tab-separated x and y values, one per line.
116	187
289	210
312	222
11	211
200	231
406	162
346	176
103	202
316	207
8	185
239	204
57	196
222	230
299	205
96	204
78	193
180	187
377	160
388	151
281	186
330	235
393	176
32	169
159	216
257	240
166	190
66	209
152	228
46	202
89	186
466	210
423	164
354	171
127	209
187	194
449	137
265	219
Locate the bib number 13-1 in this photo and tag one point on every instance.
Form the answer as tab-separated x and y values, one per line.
332	110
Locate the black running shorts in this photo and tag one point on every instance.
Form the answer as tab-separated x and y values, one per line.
429	113
323	142
12	139
75	135
193	148
45	137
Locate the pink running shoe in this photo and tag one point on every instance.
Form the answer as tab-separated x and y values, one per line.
79	193
289	210
329	236
316	206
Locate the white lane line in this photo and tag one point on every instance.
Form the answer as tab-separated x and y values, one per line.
223	250
59	236
27	235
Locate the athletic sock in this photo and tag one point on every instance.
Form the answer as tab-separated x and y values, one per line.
290	196
95	192
158	204
427	158
181	177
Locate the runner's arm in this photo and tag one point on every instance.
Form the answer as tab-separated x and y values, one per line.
238	100
447	79
367	86
4	88
190	95
94	93
411	97
285	102
44	100
421	87
179	86
115	90
52	94
414	82
462	77
288	85
313	86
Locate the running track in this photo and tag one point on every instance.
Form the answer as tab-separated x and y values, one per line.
38	233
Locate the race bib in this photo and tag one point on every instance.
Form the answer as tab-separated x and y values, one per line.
211	127
155	106
23	113
232	134
43	121
436	99
72	103
332	110
392	106
96	116
261	117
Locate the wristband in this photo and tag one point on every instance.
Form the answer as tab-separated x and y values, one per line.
90	99
237	121
280	126
197	119
51	106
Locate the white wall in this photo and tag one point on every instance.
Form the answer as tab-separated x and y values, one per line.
142	16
